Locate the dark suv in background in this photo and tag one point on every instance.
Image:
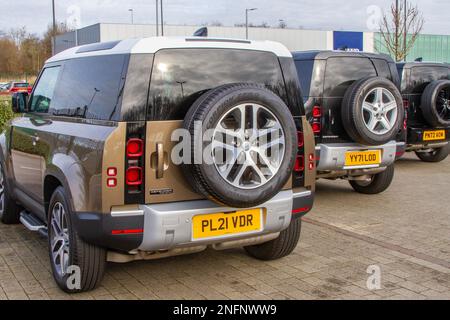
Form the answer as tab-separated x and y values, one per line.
426	92
354	105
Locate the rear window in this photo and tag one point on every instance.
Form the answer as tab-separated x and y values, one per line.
341	73
90	88
421	75
304	70
180	76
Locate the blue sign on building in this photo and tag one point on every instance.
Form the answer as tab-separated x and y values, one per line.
346	40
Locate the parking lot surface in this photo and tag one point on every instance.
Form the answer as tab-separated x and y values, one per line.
404	233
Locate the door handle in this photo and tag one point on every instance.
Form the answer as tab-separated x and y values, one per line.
160	161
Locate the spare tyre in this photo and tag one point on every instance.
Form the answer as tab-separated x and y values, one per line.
436	103
249	145
372	111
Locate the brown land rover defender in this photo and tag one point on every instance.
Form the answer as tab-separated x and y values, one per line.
150	148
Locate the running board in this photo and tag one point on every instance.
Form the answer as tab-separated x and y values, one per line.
32	223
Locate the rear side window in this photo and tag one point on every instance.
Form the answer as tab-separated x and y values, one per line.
422	76
305	70
383	69
90	88
180	76
44	90
341	73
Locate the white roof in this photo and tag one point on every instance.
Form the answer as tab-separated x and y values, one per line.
154	44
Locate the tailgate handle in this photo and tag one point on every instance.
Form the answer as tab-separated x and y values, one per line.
160	161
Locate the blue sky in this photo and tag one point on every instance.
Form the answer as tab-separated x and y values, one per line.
309	14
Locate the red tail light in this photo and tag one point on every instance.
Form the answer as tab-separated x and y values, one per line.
317	112
135	148
14	89
317	127
134	176
300	139
299	164
406	104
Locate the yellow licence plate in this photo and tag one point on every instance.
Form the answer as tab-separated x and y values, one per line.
362	158
222	224
434	135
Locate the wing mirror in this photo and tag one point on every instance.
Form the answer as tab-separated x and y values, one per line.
20	102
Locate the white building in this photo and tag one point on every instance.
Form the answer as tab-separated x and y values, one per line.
293	39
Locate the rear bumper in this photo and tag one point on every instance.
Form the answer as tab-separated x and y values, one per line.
415	138
168	226
332	156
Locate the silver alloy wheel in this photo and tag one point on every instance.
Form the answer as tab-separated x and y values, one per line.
248	146
59	235
2	192
379	111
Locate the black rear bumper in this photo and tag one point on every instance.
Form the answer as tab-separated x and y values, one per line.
416	136
103	230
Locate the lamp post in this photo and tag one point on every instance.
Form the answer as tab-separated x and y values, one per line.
132	15
246	20
157	18
162	19
54	27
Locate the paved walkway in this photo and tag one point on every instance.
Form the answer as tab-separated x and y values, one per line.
404	233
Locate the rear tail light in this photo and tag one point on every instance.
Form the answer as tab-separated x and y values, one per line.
134	176
299	164
317	127
300	138
406	104
317	112
135	148
317	120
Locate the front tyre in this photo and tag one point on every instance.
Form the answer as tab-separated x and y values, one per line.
68	253
279	247
378	183
435	155
9	210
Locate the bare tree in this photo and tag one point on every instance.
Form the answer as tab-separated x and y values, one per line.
282	24
400	28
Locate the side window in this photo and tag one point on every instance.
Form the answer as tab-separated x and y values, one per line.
45	88
382	68
422	76
90	88
341	73
305	70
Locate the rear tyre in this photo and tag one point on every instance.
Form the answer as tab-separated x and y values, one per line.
372	111
9	210
378	183
69	255
437	155
436	103
279	247
250	152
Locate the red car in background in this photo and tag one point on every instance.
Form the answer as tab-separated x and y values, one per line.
16	86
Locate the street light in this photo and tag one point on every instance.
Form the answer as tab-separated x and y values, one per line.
132	15
54	27
246	20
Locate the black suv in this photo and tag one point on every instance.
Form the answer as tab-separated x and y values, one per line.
354	105
426	93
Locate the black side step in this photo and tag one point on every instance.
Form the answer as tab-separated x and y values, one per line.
32	223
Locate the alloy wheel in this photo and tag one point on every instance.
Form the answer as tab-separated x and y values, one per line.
59	239
248	146
380	111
